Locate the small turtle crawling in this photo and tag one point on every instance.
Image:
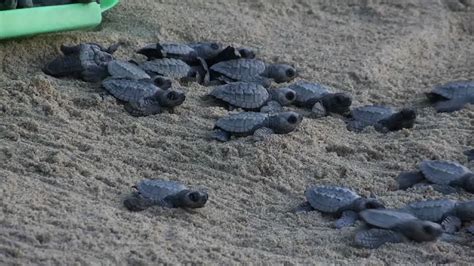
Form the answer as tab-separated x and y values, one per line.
443	174
143	97
169	194
177	69
452	96
257	124
449	213
252	70
252	96
188	53
394	226
87	61
383	118
338	201
320	98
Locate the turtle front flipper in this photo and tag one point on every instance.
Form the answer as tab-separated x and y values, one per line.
271	107
449	106
137	203
303	207
409	179
145	108
374	238
445	189
451	224
348	218
221	135
262	133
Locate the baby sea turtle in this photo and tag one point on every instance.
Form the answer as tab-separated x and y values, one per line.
257	124
169	194
188	53
177	69
126	70
452	96
394	226
444	174
252	96
320	98
449	213
339	201
87	61
143	97
253	70
382	118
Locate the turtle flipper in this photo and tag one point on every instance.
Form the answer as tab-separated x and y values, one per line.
262	133
221	135
409	179
113	48
303	207
271	107
374	238
445	189
318	110
145	108
451	224
348	218
136	203
449	106
69	50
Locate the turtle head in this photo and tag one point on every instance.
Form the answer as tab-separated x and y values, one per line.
361	204
284	96
465	210
281	72
338	103
468	182
190	199
285	122
162	82
420	231
171	98
403	119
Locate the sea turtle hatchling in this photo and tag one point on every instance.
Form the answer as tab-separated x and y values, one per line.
449	213
320	98
339	201
252	70
252	96
143	97
452	96
176	69
382	118
257	124
394	226
188	53
443	174
169	194
87	61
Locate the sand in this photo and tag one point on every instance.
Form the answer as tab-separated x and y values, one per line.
68	158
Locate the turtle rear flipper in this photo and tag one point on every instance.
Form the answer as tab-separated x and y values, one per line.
450	105
374	238
64	66
409	179
451	224
348	218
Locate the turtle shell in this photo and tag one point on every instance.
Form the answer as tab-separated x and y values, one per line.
242	94
442	172
308	92
123	69
431	210
456	90
130	90
240	69
157	190
242	123
385	218
173	68
330	199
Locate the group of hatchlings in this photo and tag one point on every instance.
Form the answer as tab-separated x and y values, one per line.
240	81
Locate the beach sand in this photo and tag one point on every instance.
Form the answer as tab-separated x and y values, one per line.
68	157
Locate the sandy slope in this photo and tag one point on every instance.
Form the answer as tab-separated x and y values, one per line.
67	158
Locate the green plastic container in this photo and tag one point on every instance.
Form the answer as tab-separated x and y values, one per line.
36	20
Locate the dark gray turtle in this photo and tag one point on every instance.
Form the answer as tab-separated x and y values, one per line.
170	50
252	96
164	193
452	96
469	154
257	124
394	226
320	98
339	201
143	97
126	70
177	69
8	4
87	61
252	70
443	174
382	118
449	213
